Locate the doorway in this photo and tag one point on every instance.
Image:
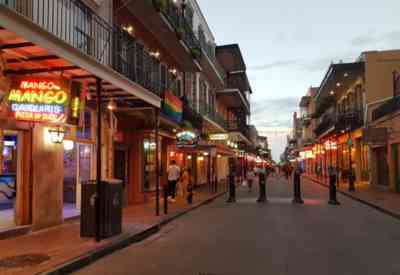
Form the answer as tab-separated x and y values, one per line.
396	165
9	170
382	167
121	169
77	163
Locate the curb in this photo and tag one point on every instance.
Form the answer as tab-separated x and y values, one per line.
365	202
121	243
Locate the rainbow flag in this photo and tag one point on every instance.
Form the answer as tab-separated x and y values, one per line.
172	107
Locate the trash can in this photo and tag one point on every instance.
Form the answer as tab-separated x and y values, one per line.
110	208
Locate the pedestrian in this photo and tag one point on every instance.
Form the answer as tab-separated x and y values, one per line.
173	176
250	179
297	185
332	172
262	179
187	185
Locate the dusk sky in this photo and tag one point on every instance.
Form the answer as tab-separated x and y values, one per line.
288	46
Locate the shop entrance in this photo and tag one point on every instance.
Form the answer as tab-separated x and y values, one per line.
121	168
381	166
9	169
77	163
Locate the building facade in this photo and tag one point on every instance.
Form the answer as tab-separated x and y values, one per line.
132	84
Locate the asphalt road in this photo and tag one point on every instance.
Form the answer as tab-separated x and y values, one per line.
276	238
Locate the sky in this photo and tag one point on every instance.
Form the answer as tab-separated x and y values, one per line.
288	46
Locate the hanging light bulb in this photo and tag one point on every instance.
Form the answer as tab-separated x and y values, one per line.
112	105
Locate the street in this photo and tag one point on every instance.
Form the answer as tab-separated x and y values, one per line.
274	238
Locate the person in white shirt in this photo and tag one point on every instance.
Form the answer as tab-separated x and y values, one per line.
174	173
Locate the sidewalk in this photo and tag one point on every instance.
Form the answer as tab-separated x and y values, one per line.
45	251
384	200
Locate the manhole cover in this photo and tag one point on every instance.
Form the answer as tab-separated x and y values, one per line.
23	260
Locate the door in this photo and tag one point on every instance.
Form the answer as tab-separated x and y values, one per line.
396	165
121	168
382	167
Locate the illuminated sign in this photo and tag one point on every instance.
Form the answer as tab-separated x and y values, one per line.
330	145
219	137
38	101
186	139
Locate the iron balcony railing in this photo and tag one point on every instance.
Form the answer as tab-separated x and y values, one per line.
209	112
326	122
185	32
239	126
237	81
391	106
349	120
76	24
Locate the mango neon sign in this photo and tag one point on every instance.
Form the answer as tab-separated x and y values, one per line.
41	101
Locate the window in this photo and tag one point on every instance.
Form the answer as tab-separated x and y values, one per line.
149	150
164	81
86	131
82	29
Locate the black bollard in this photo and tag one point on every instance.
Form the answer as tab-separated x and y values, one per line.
262	187
332	187
297	186
232	188
165	189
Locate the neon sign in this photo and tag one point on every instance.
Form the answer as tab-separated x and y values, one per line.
38	101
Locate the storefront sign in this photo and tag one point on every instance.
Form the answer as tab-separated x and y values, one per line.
77	104
186	139
38	101
219	137
172	107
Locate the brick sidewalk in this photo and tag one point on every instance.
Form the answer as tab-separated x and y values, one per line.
62	244
383	200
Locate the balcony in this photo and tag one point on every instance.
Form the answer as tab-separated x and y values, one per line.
306	120
349	120
391	106
199	48
191	116
234	95
211	114
326	122
74	23
239	127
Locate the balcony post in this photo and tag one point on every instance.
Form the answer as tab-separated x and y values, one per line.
98	200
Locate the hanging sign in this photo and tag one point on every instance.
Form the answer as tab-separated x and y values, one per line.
186	139
77	104
218	136
38	100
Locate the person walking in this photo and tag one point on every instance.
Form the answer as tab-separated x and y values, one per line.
173	176
250	178
262	180
296	185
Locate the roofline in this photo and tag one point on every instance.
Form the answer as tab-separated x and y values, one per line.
234	46
204	19
330	71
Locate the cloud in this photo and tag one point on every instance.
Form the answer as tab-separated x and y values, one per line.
371	40
363	40
274	113
273	65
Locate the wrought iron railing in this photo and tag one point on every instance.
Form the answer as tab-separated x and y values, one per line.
325	123
75	23
392	105
349	120
237	81
209	112
185	32
239	126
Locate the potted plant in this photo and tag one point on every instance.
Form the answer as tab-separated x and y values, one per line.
196	53
160	5
180	33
